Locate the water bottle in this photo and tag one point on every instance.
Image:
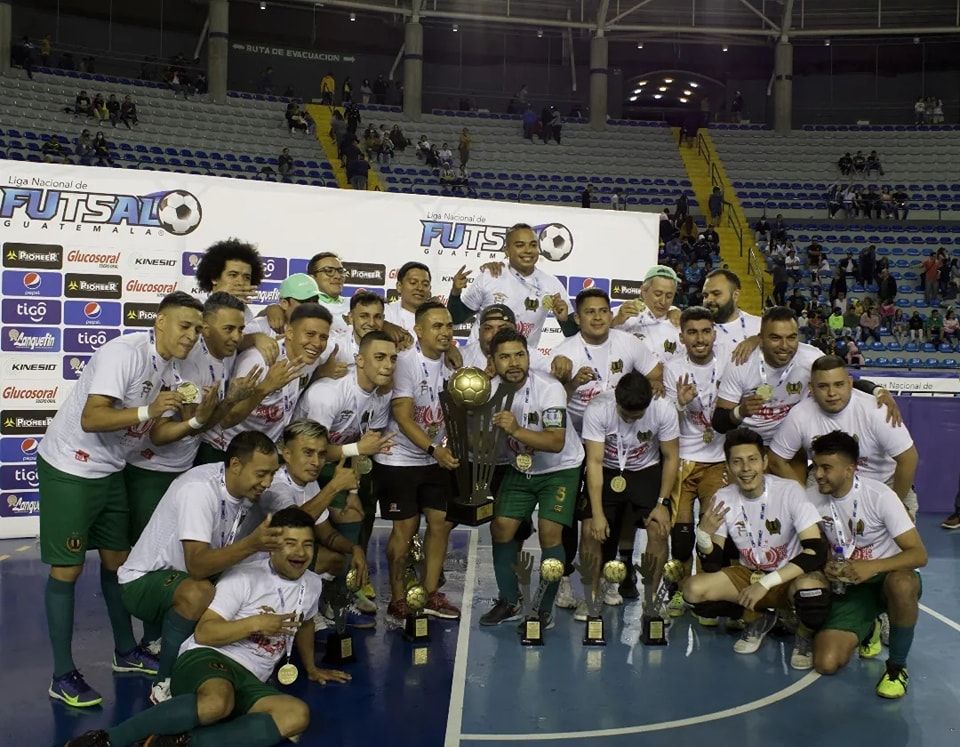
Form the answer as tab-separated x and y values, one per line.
839	567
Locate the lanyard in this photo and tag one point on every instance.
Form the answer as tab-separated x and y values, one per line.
297	613
363	422
169	365
756	545
838	524
705	407
534	286
227	538
743	327
621	451
783	376
434	387
222	383
605	378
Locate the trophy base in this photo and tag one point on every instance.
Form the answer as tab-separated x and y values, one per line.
416	629
653	631
531	634
593	635
470	514
339	649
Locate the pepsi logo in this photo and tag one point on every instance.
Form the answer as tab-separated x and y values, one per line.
28	447
588	283
92	310
31	280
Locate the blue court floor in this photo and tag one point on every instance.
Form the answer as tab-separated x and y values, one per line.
470	686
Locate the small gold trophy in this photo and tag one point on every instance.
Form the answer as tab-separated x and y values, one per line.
531	633
416	628
653	631
340	643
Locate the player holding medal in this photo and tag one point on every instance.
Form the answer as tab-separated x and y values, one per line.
782	552
220	681
632	448
652	317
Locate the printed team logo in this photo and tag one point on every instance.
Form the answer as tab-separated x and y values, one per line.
92	313
86	340
15	449
179	212
19	477
616	366
772	525
19	504
556	242
578	284
74	543
644	436
45	284
670	346
30	339
794	387
33	256
531	304
858	529
21	311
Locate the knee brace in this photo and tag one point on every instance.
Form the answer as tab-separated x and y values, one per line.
812	607
681	542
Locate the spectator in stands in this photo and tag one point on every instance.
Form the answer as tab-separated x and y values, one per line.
463	149
66	62
797	302
556	124
951	327
848	266
346	91
845	164
385	154
779	275
816	286
900	201
778	231
792	265
398	139
870	325
853	355
887	310
715	205
424	149
899	326
100	111
835	322
933	327
338	130
866	265
265	83
930	268
849	201
350	150
761	232
859	162
886	287
667	229
357	171
84	149
366	92
82	105
682	209
915	327
101	149
834	200
873	163
814	253
46	48
128	112
673	250
688	230
919	111
529	123
736	107
380	90
113	109
285	164
870	202
586	196
328	86
53	152
938	111
948	272
445	156
712	237
21	55
824	269
618	200
838	288
887	207
851	321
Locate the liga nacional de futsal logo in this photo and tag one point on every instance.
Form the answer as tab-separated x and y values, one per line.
179	212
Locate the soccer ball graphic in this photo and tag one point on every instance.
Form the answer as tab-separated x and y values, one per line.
556	242
179	212
469	387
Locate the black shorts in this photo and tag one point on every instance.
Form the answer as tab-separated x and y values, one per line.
404	492
642	493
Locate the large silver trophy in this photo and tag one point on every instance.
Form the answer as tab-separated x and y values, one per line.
468	409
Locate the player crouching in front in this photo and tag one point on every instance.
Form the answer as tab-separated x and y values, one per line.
877	550
782	552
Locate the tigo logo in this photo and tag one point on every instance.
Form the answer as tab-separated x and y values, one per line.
30	339
47	284
86	340
20	311
92	313
19	477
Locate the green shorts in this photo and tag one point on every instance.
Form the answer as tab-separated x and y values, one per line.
856	610
554	494
198	665
145	488
150	596
367	499
79	514
208	454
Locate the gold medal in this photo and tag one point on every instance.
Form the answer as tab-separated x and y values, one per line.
765	392
547	303
618	484
363	464
189	391
755	577
708	435
523	462
287	674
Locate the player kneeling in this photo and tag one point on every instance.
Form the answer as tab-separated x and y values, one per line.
782	552
220	689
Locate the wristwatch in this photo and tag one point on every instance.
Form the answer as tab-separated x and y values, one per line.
665	501
431	448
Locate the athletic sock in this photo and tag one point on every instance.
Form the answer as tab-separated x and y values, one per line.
351	530
123	640
175	716
58	599
901	639
151	632
176	629
571	537
504	556
250	730
550	593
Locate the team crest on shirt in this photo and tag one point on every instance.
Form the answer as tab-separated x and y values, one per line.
218	666
616	366
146	387
533	418
670	346
499	297
644	435
858	529
531	304
794	387
773	526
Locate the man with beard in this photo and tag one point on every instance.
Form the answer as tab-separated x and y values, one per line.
492	319
721	292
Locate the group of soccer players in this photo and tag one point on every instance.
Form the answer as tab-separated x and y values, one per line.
228	469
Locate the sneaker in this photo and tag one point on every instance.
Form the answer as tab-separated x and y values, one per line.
754	633
893	684
546	622
676	606
398	610
884	629
73	690
802	656
611	595
951	522
360	621
364	604
709	622
152	646
321	623
565	598
439	606
160	691
98	738
628	587
581	613
167	740
738	624
139	660
502	611
870	647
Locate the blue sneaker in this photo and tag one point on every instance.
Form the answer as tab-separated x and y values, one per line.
352	617
73	690
138	660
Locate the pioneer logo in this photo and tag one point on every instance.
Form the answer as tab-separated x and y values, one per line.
625	289
93	286
139	314
33	256
25	422
365	274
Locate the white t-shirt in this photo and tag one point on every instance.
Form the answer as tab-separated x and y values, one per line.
338	308
282	493
254	589
610	360
790	386
735	332
418	378
637	443
879	441
394	313
523	294
695	420
347	348
539	404
474	356
195	507
777	517
202	369
871	515
128	369
659	334
346	410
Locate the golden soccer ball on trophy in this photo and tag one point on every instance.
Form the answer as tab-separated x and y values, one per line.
673	571
353	580
551	570
469	387
614	571
416	598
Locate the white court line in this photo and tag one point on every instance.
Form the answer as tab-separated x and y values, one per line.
942	618
754	705
459	685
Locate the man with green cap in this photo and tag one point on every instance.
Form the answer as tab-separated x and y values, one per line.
296	289
650	316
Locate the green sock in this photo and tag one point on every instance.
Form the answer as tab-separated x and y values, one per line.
504	556
175	716
351	530
176	630
58	599
151	632
557	552
123	640
250	730
901	639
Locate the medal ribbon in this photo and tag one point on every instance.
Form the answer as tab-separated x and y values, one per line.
705	406
755	544
605	378
783	376
743	327
297	613
434	388
838	524
524	415
228	538
621	451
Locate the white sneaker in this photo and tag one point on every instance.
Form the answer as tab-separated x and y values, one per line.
802	656
160	691
580	614
320	622
153	647
565	598
754	633
611	594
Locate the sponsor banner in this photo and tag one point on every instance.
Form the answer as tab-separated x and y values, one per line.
19	477
30	311
77	285
25	422
30	392
32	284
139	314
73	366
92	313
30	339
86	340
23	449
20	504
575	285
32	367
918	385
33	256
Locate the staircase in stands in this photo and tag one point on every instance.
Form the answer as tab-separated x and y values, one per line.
322	115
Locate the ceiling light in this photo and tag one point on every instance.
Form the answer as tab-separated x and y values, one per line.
668	80
353	16
456	28
639	45
826	42
263	5
658	96
633	98
662	89
694	85
638	90
683	100
688	93
724	49
641	82
916	40
539	33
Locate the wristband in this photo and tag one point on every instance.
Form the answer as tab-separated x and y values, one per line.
350	450
736	413
770	580
704	542
143	414
195	424
681	408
